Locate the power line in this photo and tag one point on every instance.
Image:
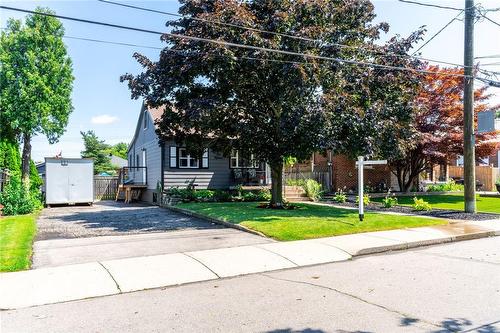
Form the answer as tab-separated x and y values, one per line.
440	30
487	57
430	5
486	17
280	34
491	64
210	21
230	44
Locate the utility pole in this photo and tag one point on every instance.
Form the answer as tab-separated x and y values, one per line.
469	140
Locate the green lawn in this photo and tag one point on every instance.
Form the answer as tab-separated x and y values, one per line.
309	221
453	201
16	240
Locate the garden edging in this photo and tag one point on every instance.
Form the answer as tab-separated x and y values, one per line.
213	220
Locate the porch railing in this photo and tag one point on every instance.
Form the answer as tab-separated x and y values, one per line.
321	176
133	176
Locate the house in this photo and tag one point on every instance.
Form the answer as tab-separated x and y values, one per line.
118	161
164	164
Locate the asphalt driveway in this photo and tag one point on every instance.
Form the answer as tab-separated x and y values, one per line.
112	230
110	218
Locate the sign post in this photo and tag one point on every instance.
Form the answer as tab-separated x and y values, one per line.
361	164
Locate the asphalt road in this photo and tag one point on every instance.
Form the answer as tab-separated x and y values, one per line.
445	288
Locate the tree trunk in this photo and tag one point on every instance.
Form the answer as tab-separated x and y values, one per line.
25	170
277	184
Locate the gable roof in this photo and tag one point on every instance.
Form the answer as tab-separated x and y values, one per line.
154	114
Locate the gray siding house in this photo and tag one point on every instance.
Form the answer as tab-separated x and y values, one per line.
169	165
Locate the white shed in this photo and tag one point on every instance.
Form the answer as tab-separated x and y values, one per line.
69	180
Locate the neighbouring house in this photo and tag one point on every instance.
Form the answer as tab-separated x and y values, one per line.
165	164
118	161
336	172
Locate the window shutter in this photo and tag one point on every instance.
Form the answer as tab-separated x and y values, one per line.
204	159
173	156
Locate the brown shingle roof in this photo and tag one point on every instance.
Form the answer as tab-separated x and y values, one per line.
156	114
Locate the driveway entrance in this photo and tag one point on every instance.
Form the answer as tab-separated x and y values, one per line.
112	230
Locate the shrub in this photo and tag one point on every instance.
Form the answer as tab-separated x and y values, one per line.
313	189
449	186
420	205
16	200
249	196
340	196
222	196
366	199
389	202
264	195
498	181
203	195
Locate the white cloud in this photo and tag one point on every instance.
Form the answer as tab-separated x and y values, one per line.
104	119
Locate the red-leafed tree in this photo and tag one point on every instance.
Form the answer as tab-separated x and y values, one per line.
439	125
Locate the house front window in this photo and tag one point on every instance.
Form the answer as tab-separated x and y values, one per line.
186	161
238	160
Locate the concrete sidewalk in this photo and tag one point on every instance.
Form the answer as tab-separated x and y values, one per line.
66	283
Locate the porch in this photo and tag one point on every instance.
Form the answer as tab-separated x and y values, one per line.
132	182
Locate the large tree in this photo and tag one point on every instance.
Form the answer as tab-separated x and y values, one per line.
438	126
371	115
98	150
36	81
266	103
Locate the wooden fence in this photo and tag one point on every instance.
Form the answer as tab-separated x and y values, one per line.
105	188
486	175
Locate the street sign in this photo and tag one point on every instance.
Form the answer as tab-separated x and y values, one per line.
361	163
485	121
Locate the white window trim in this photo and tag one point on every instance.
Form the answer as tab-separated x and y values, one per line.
145	120
237	157
188	158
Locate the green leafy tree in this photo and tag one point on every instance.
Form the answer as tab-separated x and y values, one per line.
119	149
98	150
265	103
36	81
10	158
373	113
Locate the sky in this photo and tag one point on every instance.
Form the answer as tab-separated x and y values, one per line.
103	104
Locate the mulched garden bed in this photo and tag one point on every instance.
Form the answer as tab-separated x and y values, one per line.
441	213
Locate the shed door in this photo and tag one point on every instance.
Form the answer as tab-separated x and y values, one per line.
81	179
57	190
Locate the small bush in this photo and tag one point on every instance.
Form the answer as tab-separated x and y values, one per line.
449	186
498	181
16	200
203	195
313	189
420	205
222	196
340	196
366	199
249	196
264	195
389	202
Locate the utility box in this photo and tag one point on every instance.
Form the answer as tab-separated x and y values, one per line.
69	181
